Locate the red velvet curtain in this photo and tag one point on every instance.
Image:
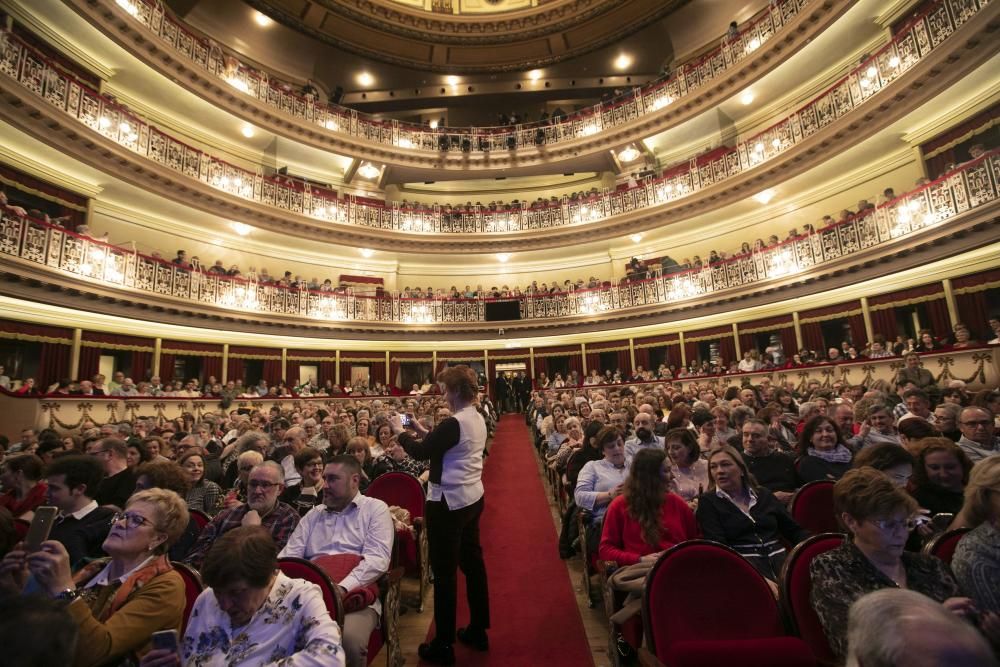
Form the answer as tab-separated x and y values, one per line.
788	341
884	323
727	350
961	135
327	371
541	366
858	334
972	311
90	362
377	370
271	370
53	364
594	363
812	337
141	363
167	368
747	342
940	320
394	377
691	351
576	364
292	372
211	366
641	358
625	362
235	370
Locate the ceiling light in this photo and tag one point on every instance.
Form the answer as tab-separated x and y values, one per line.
746	99
451	80
871	72
365	79
535	74
104	122
636	238
263	20
623	61
894	61
753	45
330	124
238	84
434	124
129	6
775	143
369	171
765	196
241	228
758	147
502	257
630	153
247	131
366	252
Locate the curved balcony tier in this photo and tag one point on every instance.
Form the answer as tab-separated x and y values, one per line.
199	64
956	213
935	50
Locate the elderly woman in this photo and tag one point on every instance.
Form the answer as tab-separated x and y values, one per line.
573	442
396	459
117	602
976	562
747	517
689	470
825	456
204	495
940	476
252	614
878	515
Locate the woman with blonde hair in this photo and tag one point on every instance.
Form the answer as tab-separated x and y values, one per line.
976	562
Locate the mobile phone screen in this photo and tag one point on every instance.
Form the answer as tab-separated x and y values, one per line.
165	639
41	526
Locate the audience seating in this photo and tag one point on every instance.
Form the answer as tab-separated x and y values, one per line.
704	604
401	489
21	528
795	587
192	589
200	518
943	546
812	507
300	568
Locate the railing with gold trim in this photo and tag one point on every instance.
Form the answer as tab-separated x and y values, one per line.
972	185
913	43
281	96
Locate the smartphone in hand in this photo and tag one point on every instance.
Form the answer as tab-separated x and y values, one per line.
41	526
165	640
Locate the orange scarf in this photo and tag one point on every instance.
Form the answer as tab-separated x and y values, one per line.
136	580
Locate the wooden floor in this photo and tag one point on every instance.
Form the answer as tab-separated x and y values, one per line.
413	625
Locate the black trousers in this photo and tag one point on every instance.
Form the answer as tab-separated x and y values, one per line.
454	542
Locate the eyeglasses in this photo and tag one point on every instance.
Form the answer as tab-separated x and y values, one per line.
891	526
131	520
258	484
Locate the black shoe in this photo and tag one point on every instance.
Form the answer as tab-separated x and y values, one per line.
477	639
437	653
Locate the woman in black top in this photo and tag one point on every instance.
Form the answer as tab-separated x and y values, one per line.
825	456
740	514
940	476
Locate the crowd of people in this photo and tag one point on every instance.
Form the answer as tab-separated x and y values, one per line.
652	465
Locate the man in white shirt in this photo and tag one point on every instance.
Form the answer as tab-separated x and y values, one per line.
348	523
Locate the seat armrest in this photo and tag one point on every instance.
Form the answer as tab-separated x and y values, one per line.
647	659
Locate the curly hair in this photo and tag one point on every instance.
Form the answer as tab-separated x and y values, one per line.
645	490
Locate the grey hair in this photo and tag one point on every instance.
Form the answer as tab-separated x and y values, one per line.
272	465
250	455
880	626
249	437
807	407
124	429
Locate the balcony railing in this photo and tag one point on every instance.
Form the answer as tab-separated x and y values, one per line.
972	185
281	96
913	43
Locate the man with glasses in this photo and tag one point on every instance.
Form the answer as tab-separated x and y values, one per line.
82	525
119	480
979	439
262	508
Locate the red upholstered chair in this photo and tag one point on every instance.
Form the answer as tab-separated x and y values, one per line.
704	604
795	588
943	546
200	518
404	490
192	589
21	528
300	568
812	507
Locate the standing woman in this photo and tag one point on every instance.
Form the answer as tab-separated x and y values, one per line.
454	505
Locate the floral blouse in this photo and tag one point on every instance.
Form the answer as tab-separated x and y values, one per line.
292	628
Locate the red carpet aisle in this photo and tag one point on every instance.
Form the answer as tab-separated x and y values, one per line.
533	608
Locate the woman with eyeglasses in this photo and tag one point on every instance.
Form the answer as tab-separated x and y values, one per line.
116	602
878	516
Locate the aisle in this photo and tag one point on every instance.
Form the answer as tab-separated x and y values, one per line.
534	611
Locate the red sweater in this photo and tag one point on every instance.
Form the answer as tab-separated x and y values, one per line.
622	541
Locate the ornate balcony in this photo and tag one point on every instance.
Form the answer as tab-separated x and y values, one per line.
954	203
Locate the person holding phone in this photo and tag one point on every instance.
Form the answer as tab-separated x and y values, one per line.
116	602
455	504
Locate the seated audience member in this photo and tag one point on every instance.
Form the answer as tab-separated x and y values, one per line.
569	446
917	403
360	449
119	481
245	462
878	515
878	428
383	436
898	627
601	481
893	460
979	439
825	456
250	441
689	470
771	468
82	525
976	562
23	619
348	523
203	495
117	602
395	459
940	476
21	479
915	373
293	442
264	486
946	419
309	493
253	614
643	437
912	433
736	511
171	477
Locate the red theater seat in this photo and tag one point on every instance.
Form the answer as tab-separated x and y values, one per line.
795	588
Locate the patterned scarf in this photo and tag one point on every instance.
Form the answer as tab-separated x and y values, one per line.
136	580
840	454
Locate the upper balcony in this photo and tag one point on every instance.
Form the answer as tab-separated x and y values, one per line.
903	74
199	64
953	214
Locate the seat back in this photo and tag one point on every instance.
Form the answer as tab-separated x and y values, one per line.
400	489
200	518
192	589
684	593
300	568
943	546
795	588
812	507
